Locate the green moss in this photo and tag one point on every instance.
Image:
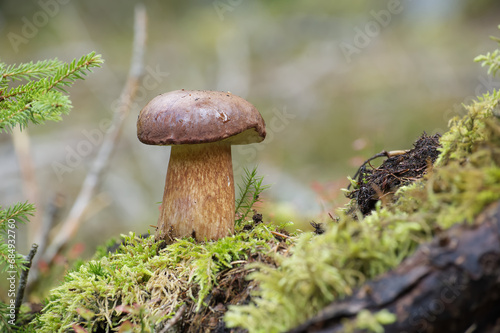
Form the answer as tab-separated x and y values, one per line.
465	133
323	268
326	267
141	284
369	322
491	59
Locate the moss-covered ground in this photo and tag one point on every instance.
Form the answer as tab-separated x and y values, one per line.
320	269
264	280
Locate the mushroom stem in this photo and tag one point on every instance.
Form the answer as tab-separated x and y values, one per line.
198	199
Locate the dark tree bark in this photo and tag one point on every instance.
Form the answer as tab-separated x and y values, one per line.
449	285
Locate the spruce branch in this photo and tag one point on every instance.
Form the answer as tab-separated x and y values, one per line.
18	212
10	260
66	75
28	71
42	97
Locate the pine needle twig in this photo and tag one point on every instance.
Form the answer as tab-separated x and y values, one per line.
41	98
19	212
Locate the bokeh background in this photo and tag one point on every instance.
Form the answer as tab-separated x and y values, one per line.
336	82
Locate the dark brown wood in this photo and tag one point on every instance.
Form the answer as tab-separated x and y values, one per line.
451	284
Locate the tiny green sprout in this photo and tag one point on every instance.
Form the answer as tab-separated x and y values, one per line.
491	59
354	183
96	268
385	317
250	192
365	320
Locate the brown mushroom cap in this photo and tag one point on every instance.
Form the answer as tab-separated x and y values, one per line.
199	116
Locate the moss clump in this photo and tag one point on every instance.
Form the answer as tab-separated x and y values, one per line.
141	285
323	268
468	134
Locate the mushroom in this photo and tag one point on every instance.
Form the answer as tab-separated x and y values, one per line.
201	126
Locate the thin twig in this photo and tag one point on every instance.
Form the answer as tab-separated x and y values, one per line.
278	234
174	320
24	279
49	219
92	180
383	153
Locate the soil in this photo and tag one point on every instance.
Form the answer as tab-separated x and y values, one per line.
399	169
233	288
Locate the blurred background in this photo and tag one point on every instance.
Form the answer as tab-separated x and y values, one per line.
336	82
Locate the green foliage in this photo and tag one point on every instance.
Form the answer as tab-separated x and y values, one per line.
31	92
34	92
466	132
325	267
99	285
369	322
24	316
5	326
10	260
140	276
249	194
214	257
140	285
19	212
491	59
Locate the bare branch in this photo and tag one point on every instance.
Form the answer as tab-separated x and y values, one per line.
175	319
48	221
93	178
24	279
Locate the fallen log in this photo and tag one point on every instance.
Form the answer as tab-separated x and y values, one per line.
451	284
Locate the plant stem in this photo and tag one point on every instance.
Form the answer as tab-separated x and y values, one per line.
24	279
